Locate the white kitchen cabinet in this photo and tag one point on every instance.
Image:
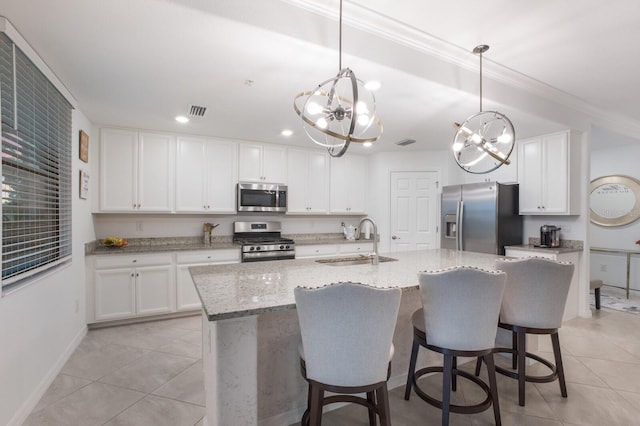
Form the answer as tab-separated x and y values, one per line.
548	174
308	181
186	294
316	250
206	172
262	163
362	247
348	184
130	286
136	171
507	173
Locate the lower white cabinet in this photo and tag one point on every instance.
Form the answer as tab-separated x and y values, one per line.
129	286
328	250
186	295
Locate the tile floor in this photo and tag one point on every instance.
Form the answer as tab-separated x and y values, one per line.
151	374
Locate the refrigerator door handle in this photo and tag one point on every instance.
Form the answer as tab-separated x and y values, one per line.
459	223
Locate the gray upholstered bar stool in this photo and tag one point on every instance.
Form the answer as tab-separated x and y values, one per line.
533	303
459	318
347	332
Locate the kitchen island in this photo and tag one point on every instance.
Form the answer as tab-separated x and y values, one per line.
251	334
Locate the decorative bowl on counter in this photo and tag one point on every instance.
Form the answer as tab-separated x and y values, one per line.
114	242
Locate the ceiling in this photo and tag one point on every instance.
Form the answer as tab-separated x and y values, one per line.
552	64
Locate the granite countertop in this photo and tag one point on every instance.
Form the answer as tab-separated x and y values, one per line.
566	246
554	250
244	289
169	244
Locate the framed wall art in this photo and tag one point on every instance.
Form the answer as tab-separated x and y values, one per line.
84	185
84	146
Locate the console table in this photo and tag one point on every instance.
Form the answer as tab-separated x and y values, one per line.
628	253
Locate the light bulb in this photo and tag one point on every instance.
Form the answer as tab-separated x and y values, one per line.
313	108
367	144
362	108
372	85
504	138
363	119
322	123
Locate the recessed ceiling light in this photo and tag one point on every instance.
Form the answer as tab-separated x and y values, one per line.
287	132
372	85
182	119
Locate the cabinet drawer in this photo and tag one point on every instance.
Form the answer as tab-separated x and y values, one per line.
103	262
355	248
213	256
316	250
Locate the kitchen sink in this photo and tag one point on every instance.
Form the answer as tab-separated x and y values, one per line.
353	260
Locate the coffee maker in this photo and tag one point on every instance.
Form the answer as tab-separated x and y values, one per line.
549	236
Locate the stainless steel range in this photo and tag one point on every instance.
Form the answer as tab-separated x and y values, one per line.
262	241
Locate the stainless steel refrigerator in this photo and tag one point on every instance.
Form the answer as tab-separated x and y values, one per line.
482	217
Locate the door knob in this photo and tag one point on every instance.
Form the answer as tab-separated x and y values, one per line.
393	237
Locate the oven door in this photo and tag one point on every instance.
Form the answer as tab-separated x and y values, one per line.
262	197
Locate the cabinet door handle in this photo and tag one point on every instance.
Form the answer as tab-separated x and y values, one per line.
394	237
132	275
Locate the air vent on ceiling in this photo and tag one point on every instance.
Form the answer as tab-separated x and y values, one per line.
405	142
197	111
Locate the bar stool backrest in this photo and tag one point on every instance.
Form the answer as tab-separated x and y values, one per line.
347	332
536	291
461	307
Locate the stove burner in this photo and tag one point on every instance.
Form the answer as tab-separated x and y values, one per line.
262	241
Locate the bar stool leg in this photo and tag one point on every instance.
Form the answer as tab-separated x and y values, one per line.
315	414
383	406
491	372
454	376
412	369
555	342
522	354
597	295
372	412
446	388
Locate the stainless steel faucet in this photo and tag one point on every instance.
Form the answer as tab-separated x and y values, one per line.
374	256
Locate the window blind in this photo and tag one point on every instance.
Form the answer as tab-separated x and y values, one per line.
36	168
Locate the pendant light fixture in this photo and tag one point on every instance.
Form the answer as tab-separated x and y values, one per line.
339	111
485	140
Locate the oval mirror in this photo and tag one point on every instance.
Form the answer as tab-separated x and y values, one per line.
614	200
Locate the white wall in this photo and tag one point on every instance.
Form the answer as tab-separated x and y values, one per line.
380	167
39	323
615	154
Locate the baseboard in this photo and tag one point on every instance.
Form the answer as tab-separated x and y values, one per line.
31	402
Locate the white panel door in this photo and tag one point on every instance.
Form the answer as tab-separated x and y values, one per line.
186	294
114	294
221	163
274	164
414	211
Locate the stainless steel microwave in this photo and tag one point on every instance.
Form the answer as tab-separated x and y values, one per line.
262	197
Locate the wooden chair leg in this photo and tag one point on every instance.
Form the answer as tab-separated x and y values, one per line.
383	406
315	412
412	369
478	365
597	295
491	372
522	353
446	388
372	412
555	342
454	376
514	346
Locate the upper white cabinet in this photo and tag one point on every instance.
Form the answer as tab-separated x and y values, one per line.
348	184
507	173
262	163
205	175
548	173
136	171
308	181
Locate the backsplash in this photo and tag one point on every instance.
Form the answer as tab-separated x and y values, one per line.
574	244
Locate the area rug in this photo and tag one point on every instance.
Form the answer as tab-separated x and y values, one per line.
619	304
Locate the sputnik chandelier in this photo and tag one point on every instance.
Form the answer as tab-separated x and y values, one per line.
485	140
339	111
